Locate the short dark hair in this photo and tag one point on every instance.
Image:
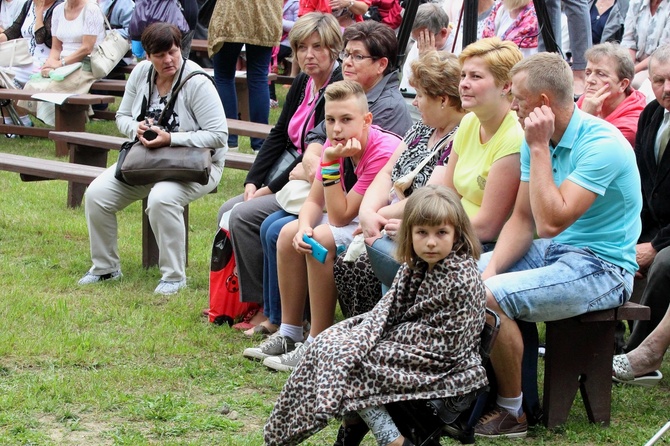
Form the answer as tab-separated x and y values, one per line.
379	39
159	37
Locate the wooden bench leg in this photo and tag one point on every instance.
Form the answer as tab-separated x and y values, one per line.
579	355
149	245
69	118
91	156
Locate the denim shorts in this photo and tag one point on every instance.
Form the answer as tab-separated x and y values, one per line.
556	281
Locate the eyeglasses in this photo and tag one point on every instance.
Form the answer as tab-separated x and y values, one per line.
357	58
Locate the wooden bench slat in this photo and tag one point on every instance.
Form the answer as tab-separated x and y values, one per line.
49	168
84	140
37	132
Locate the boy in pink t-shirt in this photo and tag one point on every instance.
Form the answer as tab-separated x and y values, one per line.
350	135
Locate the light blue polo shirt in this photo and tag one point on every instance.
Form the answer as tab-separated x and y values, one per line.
594	155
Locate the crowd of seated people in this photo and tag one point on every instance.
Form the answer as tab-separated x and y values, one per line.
496	128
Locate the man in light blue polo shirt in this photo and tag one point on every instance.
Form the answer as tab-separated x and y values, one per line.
579	192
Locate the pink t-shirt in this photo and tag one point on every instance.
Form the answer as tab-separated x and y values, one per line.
304	110
381	145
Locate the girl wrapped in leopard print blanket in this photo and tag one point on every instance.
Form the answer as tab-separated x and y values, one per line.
421	341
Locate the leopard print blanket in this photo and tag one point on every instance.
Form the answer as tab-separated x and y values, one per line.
421	341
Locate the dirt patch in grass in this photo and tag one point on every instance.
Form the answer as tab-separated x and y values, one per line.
76	432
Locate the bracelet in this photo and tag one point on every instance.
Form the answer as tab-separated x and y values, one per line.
62	61
330	183
330	163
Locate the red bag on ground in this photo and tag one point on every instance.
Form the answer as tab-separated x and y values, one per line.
224	288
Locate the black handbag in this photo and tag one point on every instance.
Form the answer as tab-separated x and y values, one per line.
285	160
138	165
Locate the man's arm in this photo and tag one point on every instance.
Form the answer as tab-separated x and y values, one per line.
553	208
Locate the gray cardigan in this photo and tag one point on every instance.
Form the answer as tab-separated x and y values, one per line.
202	121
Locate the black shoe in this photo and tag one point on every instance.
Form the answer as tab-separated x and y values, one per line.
351	434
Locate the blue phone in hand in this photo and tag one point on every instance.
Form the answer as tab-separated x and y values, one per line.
318	251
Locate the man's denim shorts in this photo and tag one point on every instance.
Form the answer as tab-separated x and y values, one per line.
556	281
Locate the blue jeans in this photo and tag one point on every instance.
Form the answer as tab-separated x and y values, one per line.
555	281
270	229
258	64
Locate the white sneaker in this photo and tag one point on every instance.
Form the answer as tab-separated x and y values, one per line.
288	361
166	288
90	278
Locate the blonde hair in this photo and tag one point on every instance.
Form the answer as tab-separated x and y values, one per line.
437	74
434	205
499	55
550	74
325	25
343	90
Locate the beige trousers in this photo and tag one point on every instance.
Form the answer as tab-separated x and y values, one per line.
165	208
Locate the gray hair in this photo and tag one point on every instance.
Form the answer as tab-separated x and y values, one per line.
431	16
624	65
660	55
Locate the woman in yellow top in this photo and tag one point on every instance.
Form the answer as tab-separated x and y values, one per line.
483	167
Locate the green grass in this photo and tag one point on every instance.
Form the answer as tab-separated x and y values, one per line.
116	365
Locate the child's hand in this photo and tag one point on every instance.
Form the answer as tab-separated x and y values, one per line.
351	148
299	244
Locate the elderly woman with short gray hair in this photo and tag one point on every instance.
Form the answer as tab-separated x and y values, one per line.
609	94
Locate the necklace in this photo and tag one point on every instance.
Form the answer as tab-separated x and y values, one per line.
602	6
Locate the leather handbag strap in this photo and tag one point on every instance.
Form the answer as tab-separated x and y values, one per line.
173	97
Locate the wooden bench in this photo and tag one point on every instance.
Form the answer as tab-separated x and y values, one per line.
80	175
37	169
91	149
579	353
70	116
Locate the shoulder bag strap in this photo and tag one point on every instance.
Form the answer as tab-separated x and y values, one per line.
180	84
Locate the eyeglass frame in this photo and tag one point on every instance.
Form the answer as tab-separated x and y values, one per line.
356	58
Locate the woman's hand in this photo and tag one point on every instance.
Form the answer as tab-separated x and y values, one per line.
249	191
371	224
299	173
162	140
593	103
49	66
392	227
262	191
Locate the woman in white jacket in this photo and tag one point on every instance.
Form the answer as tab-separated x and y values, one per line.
196	120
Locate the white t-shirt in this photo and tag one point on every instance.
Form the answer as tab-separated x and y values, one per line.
9	11
40	51
90	22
